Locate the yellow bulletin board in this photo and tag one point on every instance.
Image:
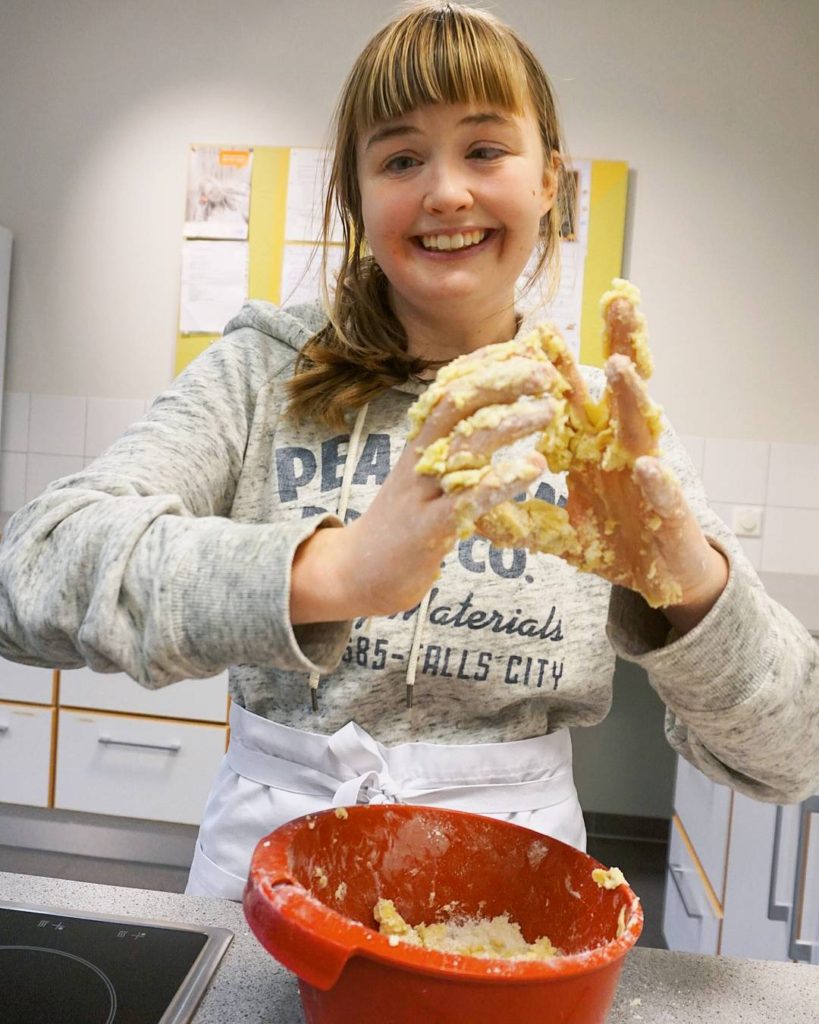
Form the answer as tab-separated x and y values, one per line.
266	239
604	254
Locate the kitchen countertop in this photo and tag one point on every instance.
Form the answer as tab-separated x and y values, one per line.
249	987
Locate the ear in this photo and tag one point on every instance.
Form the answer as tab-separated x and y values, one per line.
551	177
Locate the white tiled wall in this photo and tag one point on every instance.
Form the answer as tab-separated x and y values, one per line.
44	437
780	479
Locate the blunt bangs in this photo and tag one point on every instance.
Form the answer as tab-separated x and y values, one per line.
439	56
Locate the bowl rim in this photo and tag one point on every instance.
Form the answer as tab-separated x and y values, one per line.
271	885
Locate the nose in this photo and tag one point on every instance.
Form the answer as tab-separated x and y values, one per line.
447	191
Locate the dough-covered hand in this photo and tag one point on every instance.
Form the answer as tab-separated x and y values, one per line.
478	404
626	518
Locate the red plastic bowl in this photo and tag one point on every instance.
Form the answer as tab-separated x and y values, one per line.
313	884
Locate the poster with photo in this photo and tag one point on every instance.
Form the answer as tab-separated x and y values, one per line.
218	195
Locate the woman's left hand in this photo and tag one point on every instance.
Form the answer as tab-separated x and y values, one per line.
626	518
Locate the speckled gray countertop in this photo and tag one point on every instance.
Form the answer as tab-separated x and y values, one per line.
249	987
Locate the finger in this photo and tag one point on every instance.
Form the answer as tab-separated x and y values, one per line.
494	484
460	368
634	417
660	489
561	357
488	382
683	552
624	330
495	426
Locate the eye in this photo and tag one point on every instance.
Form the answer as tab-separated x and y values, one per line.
486	153
398	164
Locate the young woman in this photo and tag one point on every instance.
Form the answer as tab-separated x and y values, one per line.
267	514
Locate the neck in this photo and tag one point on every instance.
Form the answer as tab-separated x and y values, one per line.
442	337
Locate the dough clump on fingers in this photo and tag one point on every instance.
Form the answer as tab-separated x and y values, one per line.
608	526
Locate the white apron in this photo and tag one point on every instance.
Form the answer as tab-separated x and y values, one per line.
272	773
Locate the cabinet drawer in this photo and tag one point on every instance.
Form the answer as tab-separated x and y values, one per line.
761	874
200	699
25	754
25	682
704	808
136	767
691	922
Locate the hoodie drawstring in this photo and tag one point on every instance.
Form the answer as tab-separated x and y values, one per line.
343	501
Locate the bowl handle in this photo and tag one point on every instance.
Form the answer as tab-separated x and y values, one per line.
278	919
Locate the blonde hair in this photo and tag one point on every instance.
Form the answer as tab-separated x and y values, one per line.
433	53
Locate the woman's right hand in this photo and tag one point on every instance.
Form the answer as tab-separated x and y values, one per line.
386	560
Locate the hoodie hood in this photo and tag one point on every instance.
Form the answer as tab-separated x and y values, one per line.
293	326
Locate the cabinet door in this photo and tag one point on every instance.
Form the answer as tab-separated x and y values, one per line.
198	699
136	767
760	880
25	754
691	921
804	939
26	683
704	808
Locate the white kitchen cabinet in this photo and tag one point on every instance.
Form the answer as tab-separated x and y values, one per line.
804	935
196	699
691	919
759	884
768	856
136	767
25	754
26	683
704	808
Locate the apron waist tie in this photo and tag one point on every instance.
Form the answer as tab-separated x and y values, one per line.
365	777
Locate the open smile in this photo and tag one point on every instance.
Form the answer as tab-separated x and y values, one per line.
455	242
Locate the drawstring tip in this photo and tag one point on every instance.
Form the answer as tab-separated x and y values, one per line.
314	700
409	695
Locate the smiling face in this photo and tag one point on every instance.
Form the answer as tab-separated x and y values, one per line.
452	196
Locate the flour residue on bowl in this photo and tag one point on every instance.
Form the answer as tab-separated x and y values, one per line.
536	853
497	937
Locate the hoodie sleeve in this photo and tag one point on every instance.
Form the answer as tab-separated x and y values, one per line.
132	564
741	689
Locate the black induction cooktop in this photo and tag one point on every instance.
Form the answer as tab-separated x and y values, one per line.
64	967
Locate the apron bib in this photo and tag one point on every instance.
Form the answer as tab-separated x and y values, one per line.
272	774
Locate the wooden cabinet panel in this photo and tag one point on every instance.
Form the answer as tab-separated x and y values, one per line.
136	767
26	683
691	923
198	699
25	754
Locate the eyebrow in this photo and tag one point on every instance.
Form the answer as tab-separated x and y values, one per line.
389	131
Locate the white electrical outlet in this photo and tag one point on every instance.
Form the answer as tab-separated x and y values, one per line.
746	520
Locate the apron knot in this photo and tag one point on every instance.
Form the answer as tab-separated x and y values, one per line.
356	751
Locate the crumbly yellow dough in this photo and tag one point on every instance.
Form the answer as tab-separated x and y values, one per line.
608	879
496	937
582	439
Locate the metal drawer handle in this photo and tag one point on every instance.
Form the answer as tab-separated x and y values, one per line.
677	873
802	949
172	748
777	911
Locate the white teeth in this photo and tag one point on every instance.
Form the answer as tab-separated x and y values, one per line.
459	240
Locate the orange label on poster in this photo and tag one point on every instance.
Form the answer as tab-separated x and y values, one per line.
234	157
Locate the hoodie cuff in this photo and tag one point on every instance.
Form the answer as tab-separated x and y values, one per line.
718	664
230	601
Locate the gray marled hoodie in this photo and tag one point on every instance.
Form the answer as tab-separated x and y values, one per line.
169	558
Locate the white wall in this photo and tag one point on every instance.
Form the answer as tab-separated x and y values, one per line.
710	102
